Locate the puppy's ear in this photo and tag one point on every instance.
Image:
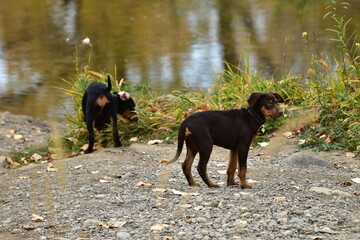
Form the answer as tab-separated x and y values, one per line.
124	95
109	83
278	97
253	98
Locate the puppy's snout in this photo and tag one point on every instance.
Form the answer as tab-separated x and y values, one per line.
130	115
281	112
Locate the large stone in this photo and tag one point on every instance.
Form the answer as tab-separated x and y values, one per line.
327	191
306	160
322	190
123	235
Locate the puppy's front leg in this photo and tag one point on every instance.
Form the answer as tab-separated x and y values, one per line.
115	132
232	165
242	155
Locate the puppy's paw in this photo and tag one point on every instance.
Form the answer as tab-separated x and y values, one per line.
194	184
232	183
213	185
245	185
88	151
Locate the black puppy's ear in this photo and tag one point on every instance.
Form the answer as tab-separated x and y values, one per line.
278	97
109	83
253	98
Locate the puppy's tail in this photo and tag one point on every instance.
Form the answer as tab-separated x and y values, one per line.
181	138
109	84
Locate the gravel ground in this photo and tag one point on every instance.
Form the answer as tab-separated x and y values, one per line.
126	193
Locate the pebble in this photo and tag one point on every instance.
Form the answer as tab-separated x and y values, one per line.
91	223
302	159
241	223
326	230
281	214
123	235
16	231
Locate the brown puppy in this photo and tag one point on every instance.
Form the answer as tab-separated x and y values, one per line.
231	129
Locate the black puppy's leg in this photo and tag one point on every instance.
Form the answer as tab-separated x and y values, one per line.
186	166
115	132
90	127
242	155
91	113
205	149
232	165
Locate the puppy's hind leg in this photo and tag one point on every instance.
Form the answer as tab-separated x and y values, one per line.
90	112
186	166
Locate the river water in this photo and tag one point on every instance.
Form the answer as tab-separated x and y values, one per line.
171	44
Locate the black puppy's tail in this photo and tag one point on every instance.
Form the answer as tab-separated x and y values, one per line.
181	138
109	84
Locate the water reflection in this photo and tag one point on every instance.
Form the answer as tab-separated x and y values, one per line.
172	44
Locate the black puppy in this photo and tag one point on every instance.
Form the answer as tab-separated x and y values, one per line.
100	107
232	129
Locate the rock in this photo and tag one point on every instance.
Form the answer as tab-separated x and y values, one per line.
123	235
341	193
100	196
287	233
281	214
322	190
282	220
326	230
88	223
241	223
16	231
185	206
328	191
155	141
306	160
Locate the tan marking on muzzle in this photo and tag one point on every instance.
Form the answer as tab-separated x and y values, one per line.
275	112
266	113
102	100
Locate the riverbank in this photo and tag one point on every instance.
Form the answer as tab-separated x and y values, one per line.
19	131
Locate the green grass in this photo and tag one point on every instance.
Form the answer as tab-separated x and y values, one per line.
24	156
332	86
